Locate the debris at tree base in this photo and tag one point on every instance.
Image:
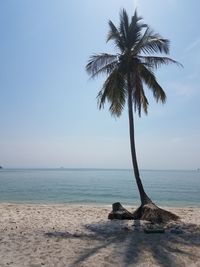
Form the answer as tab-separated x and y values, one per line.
119	212
154	230
149	212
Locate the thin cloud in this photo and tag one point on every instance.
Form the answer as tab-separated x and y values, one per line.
193	45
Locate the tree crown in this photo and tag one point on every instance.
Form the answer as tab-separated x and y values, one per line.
132	67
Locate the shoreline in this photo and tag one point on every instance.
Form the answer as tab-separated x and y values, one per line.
97	204
81	235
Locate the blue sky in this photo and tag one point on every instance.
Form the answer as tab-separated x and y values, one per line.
49	115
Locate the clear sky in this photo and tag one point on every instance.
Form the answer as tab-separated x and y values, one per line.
49	115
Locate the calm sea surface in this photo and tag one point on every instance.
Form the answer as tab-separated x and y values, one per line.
168	188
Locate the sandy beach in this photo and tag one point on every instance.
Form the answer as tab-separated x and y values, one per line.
70	235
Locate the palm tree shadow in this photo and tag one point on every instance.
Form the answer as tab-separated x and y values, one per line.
168	249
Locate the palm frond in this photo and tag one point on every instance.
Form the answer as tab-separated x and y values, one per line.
144	101
150	80
124	25
114	92
107	69
152	43
139	43
100	63
155	43
115	36
156	62
136	28
139	99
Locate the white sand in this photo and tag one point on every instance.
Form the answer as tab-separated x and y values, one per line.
69	235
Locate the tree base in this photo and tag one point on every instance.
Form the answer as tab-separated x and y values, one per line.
148	212
151	212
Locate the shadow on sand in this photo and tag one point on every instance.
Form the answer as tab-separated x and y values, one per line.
134	246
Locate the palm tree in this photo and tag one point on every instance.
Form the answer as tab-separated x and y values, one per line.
128	71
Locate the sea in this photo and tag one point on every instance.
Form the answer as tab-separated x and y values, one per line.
175	188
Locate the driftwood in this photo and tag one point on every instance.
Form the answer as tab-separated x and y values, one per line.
119	212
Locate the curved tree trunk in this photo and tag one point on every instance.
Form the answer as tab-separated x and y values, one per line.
143	196
148	210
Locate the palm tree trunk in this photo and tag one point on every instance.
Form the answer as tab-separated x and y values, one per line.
143	196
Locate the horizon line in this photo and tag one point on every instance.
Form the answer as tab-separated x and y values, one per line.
94	168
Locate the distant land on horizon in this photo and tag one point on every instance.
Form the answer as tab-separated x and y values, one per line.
93	168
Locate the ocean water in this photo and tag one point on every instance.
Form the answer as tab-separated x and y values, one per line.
96	186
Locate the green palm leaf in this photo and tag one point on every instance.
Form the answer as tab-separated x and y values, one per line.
101	63
114	92
150	80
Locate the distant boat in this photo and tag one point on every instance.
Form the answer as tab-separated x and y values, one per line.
1	167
